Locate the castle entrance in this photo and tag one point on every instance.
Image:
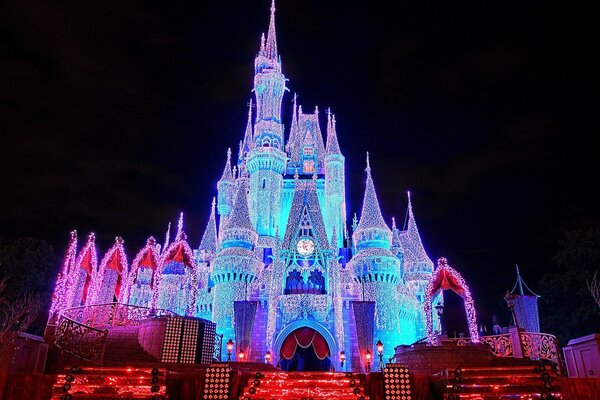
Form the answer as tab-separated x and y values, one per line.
305	349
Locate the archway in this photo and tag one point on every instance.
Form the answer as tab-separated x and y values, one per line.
321	330
444	278
304	349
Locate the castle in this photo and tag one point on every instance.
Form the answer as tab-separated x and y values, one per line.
281	243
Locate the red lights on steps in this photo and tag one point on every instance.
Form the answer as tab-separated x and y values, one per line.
302	385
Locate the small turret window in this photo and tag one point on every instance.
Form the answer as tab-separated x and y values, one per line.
308	167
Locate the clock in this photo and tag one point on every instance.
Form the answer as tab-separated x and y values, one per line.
305	246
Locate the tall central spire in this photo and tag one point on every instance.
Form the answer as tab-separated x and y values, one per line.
271	45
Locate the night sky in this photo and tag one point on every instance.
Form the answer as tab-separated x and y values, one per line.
116	115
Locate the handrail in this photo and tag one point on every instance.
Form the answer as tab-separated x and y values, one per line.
80	340
81	331
112	314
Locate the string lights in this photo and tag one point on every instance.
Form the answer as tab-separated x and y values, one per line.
446	277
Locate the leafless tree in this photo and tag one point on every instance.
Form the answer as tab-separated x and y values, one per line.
594	288
16	315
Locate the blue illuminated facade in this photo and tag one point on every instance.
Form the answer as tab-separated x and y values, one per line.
282	237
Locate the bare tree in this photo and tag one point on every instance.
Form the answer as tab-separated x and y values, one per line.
16	315
594	288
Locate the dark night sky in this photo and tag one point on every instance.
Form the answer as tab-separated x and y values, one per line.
115	115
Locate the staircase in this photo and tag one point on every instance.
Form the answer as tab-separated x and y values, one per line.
303	385
516	382
110	383
122	346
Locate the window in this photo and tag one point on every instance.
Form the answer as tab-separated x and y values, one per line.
309	167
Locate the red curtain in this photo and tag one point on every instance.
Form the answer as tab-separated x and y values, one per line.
305	337
446	281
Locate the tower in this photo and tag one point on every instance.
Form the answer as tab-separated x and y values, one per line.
266	160
236	264
335	192
376	268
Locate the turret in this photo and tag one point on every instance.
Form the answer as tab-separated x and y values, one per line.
335	191
376	268
266	160
418	267
236	264
225	189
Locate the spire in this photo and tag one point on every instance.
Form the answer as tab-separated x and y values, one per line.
294	127
248	134
179	234
414	252
227	170
209	238
412	224
332	146
370	217
270	50
167	237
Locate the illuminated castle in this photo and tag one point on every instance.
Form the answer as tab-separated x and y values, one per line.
281	242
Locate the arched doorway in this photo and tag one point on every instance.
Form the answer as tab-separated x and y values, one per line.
304	349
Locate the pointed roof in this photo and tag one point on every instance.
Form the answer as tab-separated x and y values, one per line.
240	215
147	257
305	199
370	217
227	175
270	50
308	131
115	258
86	259
209	238
332	146
411	240
248	143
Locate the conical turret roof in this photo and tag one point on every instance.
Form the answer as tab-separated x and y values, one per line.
240	215
371	222
208	243
332	146
227	176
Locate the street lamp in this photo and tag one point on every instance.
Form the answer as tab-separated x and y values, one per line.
241	355
268	357
342	358
368	361
229	349
380	351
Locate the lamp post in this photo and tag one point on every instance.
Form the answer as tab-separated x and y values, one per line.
439	307
380	351
342	358
241	356
268	357
368	361
229	349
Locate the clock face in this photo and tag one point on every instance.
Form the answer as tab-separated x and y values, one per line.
305	246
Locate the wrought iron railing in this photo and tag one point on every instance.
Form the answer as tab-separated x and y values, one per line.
500	345
82	331
540	346
80	340
112	314
533	345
